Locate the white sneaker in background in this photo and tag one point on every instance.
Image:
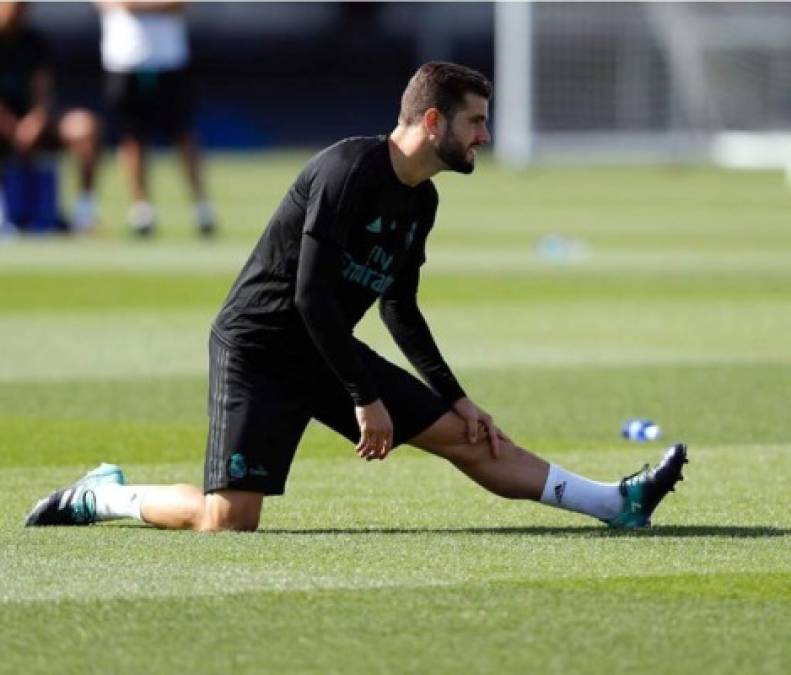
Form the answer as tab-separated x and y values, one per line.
142	219
205	218
84	214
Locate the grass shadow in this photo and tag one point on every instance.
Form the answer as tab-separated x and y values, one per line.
722	531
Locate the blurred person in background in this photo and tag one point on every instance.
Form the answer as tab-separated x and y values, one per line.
146	58
31	126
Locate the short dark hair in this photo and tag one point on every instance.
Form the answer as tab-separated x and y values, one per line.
440	85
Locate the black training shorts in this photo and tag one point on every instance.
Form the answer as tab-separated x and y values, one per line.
260	404
146	104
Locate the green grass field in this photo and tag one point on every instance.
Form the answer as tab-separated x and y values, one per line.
678	308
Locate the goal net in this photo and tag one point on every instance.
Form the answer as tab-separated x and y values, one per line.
644	82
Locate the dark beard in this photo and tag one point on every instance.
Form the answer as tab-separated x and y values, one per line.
453	155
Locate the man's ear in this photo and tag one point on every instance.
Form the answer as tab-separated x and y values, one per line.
433	122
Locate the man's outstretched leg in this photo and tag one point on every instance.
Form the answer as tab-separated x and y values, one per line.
102	495
519	474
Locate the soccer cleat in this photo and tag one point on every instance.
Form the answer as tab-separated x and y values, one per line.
102	475
642	491
76	504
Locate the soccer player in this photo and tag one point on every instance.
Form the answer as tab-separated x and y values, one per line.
28	122
351	230
146	56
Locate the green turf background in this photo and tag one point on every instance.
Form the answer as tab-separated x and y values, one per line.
674	303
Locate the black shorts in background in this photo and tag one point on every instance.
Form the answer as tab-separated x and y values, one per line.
148	104
260	404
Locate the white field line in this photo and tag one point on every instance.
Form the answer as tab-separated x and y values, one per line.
524	260
45	347
42	347
96	256
227	258
189	359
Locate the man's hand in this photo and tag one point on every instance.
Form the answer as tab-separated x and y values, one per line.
479	422
29	130
376	431
8	122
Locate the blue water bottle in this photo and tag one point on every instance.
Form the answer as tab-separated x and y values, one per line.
640	430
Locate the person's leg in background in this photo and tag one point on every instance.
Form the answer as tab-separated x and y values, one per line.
178	91
203	210
132	157
126	96
80	131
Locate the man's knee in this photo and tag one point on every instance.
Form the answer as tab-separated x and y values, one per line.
231	510
448	438
79	126
469	455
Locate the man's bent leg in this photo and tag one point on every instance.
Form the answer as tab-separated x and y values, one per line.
178	507
185	507
102	495
232	510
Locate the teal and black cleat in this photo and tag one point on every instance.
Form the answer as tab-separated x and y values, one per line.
76	504
642	491
102	475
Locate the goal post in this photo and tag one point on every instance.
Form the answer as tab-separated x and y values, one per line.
513	63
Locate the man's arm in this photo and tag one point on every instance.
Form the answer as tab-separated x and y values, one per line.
316	300
402	316
8	122
30	127
328	185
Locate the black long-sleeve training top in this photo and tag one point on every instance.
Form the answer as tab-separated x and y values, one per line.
346	233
